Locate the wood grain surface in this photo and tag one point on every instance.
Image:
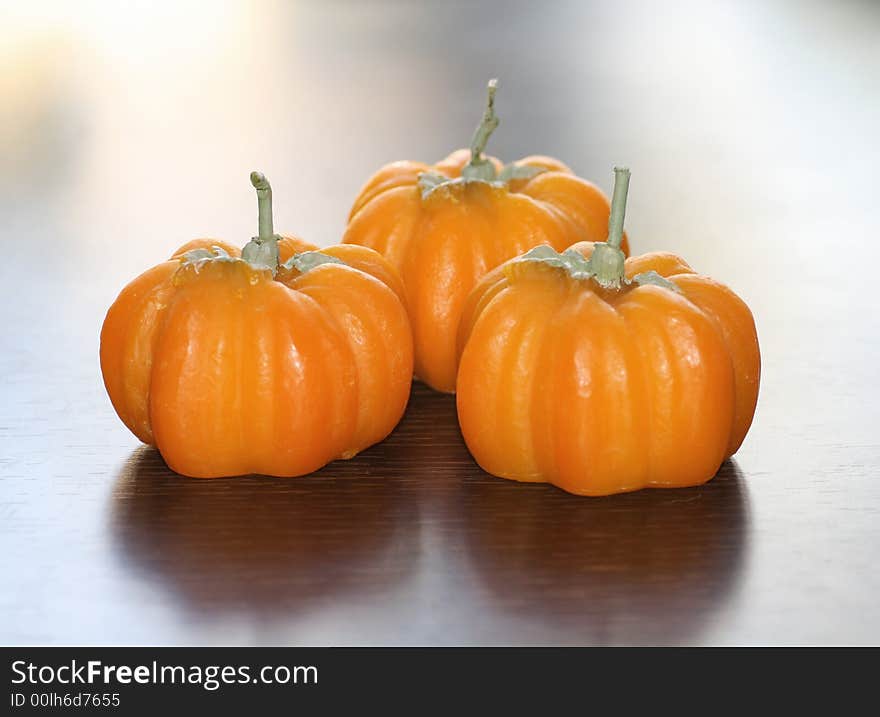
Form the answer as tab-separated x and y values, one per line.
751	132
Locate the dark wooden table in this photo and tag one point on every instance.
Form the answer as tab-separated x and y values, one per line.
751	130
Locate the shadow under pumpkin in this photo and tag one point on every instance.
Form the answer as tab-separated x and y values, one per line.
650	566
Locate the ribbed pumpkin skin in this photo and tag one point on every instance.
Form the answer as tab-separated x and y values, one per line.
227	371
443	244
603	392
358	257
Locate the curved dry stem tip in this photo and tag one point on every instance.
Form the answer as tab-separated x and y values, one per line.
487	125
258	179
264	202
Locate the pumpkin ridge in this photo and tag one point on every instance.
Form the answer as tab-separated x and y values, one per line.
167	288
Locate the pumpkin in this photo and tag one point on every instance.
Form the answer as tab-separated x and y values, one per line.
233	362
601	374
444	226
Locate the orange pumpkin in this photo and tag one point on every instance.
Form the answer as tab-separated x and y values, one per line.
603	375
444	226
231	362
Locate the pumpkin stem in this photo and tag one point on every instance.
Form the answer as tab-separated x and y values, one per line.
607	261
262	250
264	203
479	167
618	206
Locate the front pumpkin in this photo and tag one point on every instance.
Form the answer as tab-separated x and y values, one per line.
232	366
602	382
445	226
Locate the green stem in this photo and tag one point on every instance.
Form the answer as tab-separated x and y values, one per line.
487	125
479	167
262	250
264	203
618	206
608	261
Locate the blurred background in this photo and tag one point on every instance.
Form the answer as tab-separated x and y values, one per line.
127	128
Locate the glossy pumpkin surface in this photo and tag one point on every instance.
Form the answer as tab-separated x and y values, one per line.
605	390
230	368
